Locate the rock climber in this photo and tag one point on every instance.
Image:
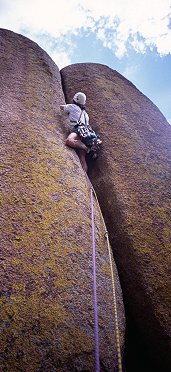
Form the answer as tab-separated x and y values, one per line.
79	120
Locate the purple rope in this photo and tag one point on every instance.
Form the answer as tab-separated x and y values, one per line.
97	359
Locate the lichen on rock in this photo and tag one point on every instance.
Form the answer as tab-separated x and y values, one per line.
132	181
46	271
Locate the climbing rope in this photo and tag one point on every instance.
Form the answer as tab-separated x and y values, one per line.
97	357
119	358
115	308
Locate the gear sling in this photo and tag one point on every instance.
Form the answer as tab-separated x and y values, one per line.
86	133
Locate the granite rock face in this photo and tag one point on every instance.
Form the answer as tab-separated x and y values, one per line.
132	181
47	313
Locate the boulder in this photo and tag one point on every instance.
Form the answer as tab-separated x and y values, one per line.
132	181
46	280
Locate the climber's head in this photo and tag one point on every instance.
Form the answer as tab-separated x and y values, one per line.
79	98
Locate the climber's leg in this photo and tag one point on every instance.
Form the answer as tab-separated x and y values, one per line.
82	155
73	140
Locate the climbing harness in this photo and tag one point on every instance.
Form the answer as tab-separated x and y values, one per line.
97	355
86	133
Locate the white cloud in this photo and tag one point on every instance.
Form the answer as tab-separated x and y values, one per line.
61	58
60	49
119	24
130	71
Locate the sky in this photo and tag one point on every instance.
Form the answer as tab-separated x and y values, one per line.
132	37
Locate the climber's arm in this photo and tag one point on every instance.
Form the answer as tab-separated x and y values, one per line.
66	108
62	107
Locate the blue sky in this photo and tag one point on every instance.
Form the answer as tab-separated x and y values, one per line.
130	36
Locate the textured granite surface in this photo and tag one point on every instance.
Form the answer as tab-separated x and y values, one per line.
132	181
47	316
